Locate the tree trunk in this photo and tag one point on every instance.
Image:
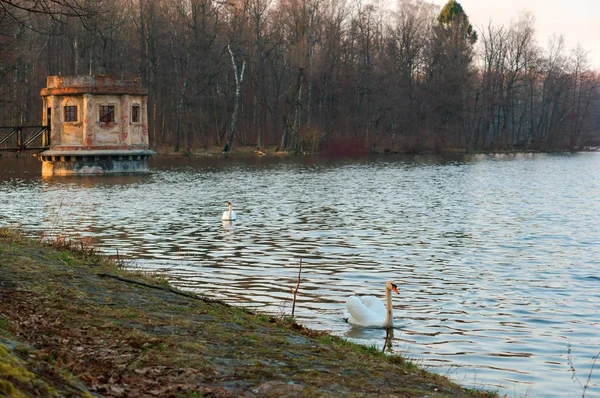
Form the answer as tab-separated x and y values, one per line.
239	79
283	145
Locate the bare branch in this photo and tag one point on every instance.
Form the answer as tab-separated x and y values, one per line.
295	291
21	10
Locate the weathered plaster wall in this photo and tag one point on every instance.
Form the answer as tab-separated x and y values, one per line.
106	133
71	132
55	128
88	93
89	131
136	136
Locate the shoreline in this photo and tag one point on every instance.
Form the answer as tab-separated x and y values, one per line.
271	152
76	324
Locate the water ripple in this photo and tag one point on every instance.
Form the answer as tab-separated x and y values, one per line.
496	257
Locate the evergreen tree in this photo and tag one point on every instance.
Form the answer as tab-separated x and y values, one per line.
451	75
453	16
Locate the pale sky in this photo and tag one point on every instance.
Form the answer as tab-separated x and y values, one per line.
576	20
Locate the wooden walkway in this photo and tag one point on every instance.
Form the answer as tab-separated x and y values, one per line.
22	138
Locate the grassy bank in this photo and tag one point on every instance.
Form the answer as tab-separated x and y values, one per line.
75	324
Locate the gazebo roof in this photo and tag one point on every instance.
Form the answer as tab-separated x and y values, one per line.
92	84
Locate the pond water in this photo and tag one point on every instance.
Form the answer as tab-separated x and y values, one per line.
497	258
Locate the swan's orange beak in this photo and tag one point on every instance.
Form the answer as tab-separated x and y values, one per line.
395	289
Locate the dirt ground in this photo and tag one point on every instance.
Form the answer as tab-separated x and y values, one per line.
73	324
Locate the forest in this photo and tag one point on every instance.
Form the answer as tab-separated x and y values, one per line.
345	77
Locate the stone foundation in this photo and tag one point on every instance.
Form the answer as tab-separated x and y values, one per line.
66	163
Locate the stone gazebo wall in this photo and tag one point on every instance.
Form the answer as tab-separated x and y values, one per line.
98	125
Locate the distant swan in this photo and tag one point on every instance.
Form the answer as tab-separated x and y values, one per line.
370	311
229	214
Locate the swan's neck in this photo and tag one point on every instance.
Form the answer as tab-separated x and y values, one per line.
389	319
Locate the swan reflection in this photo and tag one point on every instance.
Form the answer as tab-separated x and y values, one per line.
228	231
367	336
389	337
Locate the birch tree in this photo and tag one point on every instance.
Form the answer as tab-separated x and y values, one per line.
239	79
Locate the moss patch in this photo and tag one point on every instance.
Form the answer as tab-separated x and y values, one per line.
22	374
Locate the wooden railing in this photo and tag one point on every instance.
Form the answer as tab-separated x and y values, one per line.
22	138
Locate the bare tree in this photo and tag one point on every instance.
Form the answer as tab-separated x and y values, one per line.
407	48
489	111
584	87
27	12
260	48
239	79
322	73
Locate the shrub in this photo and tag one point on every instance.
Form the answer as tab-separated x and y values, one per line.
349	146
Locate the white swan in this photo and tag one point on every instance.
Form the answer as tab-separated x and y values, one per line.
370	311
229	214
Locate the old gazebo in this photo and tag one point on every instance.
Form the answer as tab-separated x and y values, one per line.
98	125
